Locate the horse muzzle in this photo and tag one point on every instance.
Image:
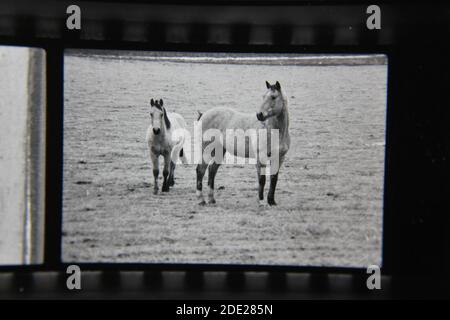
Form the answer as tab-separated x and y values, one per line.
260	116
156	131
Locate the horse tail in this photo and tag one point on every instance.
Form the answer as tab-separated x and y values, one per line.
177	150
199	115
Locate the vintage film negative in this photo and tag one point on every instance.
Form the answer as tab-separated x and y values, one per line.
121	127
128	114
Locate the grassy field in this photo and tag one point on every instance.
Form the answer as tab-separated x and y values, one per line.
329	193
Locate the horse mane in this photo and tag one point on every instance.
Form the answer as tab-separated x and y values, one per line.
159	106
166	118
284	97
285	102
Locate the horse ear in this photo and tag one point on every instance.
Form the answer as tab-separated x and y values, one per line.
278	86
267	85
152	103
161	102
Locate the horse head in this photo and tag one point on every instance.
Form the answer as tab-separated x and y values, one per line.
158	116
273	102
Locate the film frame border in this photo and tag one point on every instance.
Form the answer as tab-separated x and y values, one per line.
395	48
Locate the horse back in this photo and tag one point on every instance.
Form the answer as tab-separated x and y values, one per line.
223	118
176	120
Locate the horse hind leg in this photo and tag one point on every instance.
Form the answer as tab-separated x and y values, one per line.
212	171
201	169
183	157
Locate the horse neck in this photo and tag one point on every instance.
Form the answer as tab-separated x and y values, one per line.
281	122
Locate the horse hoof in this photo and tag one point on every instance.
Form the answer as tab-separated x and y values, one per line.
171	183
202	203
212	201
165	189
155	191
271	202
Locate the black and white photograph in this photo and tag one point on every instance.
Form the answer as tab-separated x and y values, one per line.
136	191
22	155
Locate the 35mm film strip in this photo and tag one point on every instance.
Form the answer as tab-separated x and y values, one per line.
149	126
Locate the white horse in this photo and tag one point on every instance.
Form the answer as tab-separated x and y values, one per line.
273	114
162	141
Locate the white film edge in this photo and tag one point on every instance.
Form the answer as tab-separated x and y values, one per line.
22	155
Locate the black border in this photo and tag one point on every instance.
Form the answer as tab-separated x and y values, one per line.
54	176
415	225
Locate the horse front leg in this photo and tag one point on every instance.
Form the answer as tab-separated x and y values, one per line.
165	186
155	164
273	185
274	169
172	174
261	182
